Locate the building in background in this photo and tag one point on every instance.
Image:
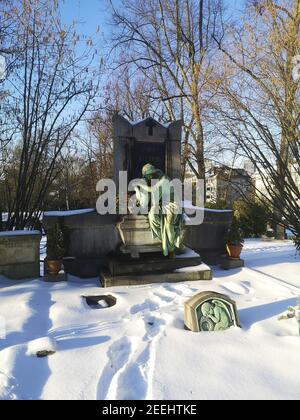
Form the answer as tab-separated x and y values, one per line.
249	167
228	185
262	183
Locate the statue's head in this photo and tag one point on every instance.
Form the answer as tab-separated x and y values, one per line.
150	172
206	308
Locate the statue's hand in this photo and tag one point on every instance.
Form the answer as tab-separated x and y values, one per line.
135	184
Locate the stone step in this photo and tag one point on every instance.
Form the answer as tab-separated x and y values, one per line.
138	237
135	224
150	264
132	217
136	251
200	273
136	229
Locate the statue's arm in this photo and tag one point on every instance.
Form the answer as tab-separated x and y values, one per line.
145	188
140	185
214	319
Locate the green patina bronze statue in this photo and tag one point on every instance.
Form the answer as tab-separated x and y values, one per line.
215	316
210	311
165	217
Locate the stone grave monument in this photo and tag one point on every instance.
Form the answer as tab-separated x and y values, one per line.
210	311
140	259
20	254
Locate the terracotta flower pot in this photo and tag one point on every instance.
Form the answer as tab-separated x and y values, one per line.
234	251
54	266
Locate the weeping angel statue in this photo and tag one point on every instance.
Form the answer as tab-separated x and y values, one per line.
165	218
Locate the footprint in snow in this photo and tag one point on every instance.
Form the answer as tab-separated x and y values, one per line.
118	356
8	386
164	298
147	306
134	381
237	288
153	326
129	372
119	353
180	290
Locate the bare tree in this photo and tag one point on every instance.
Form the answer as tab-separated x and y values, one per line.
7	28
261	104
50	92
124	95
170	42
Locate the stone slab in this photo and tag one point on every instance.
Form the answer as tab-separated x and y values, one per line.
19	249
136	217
22	271
198	273
84	268
20	254
151	263
136	224
90	236
208	238
135	251
138	237
48	278
229	264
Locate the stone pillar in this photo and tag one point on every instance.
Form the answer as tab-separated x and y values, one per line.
174	150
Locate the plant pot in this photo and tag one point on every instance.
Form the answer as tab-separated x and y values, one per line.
54	266
234	251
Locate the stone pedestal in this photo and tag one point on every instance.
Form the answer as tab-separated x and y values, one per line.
154	268
50	278
229	264
20	254
137	237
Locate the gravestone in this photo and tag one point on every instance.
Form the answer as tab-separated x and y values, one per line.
155	268
135	145
146	141
210	311
140	260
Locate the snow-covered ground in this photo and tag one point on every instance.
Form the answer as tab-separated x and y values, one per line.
139	348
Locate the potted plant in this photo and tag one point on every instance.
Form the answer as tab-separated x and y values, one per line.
235	238
55	249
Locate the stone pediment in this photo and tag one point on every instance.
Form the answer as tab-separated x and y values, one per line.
147	129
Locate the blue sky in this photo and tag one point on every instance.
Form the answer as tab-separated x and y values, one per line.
90	14
94	13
